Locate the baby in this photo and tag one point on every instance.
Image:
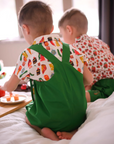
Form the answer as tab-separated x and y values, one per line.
73	26
57	75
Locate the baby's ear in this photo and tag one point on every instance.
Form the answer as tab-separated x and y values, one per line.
52	29
25	28
69	29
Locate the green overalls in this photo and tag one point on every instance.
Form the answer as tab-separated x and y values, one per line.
102	89
59	103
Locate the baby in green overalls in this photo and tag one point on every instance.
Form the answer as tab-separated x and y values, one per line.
57	74
73	26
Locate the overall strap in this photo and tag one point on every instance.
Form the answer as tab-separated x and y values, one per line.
40	49
66	53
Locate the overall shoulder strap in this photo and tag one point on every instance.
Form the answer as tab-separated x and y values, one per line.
40	49
66	53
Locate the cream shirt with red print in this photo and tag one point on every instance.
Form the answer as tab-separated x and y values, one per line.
100	58
33	65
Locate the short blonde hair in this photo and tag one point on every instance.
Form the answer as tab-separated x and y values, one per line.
38	15
76	18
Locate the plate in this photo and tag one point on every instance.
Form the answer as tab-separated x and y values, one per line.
12	101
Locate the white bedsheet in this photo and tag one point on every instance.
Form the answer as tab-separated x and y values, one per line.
97	129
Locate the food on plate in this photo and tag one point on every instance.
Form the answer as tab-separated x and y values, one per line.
11	94
8	98
16	97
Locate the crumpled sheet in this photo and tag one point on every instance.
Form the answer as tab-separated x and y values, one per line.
97	129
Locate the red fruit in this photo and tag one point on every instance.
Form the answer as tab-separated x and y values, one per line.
71	56
98	78
2	93
95	53
106	59
89	45
105	65
92	58
80	49
98	56
46	77
39	64
85	43
42	58
24	87
98	66
93	69
83	46
76	52
110	73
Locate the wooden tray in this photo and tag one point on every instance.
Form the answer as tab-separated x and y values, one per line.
7	108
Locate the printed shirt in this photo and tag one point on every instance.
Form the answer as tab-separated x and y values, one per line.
33	65
100	58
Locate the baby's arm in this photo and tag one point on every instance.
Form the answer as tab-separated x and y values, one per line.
87	76
11	84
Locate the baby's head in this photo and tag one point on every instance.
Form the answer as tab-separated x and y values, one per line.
35	19
72	24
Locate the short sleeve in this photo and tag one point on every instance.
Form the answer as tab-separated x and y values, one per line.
22	70
77	58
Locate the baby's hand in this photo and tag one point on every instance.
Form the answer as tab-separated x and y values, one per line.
88	87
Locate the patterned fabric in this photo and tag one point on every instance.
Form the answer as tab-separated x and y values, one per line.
101	60
33	65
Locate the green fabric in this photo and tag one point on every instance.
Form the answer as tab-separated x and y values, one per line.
60	102
102	89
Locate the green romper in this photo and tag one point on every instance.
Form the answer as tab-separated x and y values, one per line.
59	103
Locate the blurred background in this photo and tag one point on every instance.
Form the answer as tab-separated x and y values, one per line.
100	15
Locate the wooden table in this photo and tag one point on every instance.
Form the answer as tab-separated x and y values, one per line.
9	108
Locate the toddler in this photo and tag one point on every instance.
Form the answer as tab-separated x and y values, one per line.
73	27
57	75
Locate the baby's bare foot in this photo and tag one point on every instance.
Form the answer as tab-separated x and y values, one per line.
64	135
48	133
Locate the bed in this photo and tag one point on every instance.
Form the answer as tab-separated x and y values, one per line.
97	129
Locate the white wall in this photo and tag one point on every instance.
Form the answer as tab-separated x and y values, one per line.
10	50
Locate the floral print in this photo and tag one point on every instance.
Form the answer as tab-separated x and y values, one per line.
100	58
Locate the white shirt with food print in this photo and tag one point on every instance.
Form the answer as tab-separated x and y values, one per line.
33	65
100	58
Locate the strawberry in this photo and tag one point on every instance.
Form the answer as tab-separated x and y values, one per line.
93	69
89	45
105	65
2	93
92	58
110	73
106	59
95	53
101	63
98	66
